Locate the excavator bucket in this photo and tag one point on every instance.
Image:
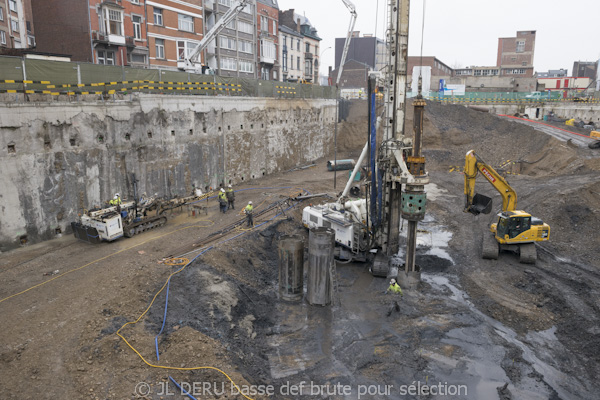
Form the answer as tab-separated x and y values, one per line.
481	205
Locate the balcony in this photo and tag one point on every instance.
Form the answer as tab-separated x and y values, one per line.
112	39
308	56
267	59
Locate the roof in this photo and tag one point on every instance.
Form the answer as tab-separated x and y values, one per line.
289	31
270	3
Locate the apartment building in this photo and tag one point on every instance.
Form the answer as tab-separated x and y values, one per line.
234	51
175	27
267	22
140	33
16	24
309	61
515	55
291	54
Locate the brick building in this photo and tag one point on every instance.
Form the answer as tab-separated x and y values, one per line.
16	24
354	76
147	33
515	55
267	24
175	27
233	53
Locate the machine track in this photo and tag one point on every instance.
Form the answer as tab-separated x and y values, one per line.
527	253
490	248
142	226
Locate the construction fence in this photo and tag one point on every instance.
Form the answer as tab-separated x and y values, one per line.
55	78
509	98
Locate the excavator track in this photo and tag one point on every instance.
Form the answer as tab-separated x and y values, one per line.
490	247
143	226
527	253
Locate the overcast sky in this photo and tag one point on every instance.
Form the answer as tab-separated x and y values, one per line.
465	33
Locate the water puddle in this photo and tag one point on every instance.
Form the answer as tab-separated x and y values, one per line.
484	353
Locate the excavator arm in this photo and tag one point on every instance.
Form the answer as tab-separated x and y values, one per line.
477	203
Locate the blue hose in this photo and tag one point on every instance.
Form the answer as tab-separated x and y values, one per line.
183	391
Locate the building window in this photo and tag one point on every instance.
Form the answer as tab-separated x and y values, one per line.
520	46
298	45
160	48
226	43
264	24
14	25
248	9
1	14
228	64
138	58
185	49
308	47
275	75
186	23
2	37
158	16
298	63
284	63
308	68
267	49
135	1
106	57
137	26
245	27
274	27
231	24
285	43
245	46
12	5
226	2
31	41
115	22
246	66
264	74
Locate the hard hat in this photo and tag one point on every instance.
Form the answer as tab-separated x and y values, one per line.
392	281
229	186
250	202
222	190
117	195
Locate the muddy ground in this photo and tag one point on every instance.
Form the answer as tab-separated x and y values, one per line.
476	328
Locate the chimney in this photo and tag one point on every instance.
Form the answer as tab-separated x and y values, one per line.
298	25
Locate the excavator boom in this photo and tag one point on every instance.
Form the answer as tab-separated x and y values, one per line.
478	203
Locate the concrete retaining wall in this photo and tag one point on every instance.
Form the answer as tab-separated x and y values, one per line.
58	159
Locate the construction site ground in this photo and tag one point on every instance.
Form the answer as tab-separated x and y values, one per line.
476	328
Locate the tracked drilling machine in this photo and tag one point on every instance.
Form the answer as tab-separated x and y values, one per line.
398	175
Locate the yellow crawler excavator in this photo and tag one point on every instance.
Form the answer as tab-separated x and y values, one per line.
515	231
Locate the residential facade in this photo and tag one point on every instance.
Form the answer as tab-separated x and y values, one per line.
234	52
309	61
16	24
291	54
141	33
175	27
515	55
267	23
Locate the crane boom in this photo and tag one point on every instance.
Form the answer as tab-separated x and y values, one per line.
215	30
353	16
477	203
